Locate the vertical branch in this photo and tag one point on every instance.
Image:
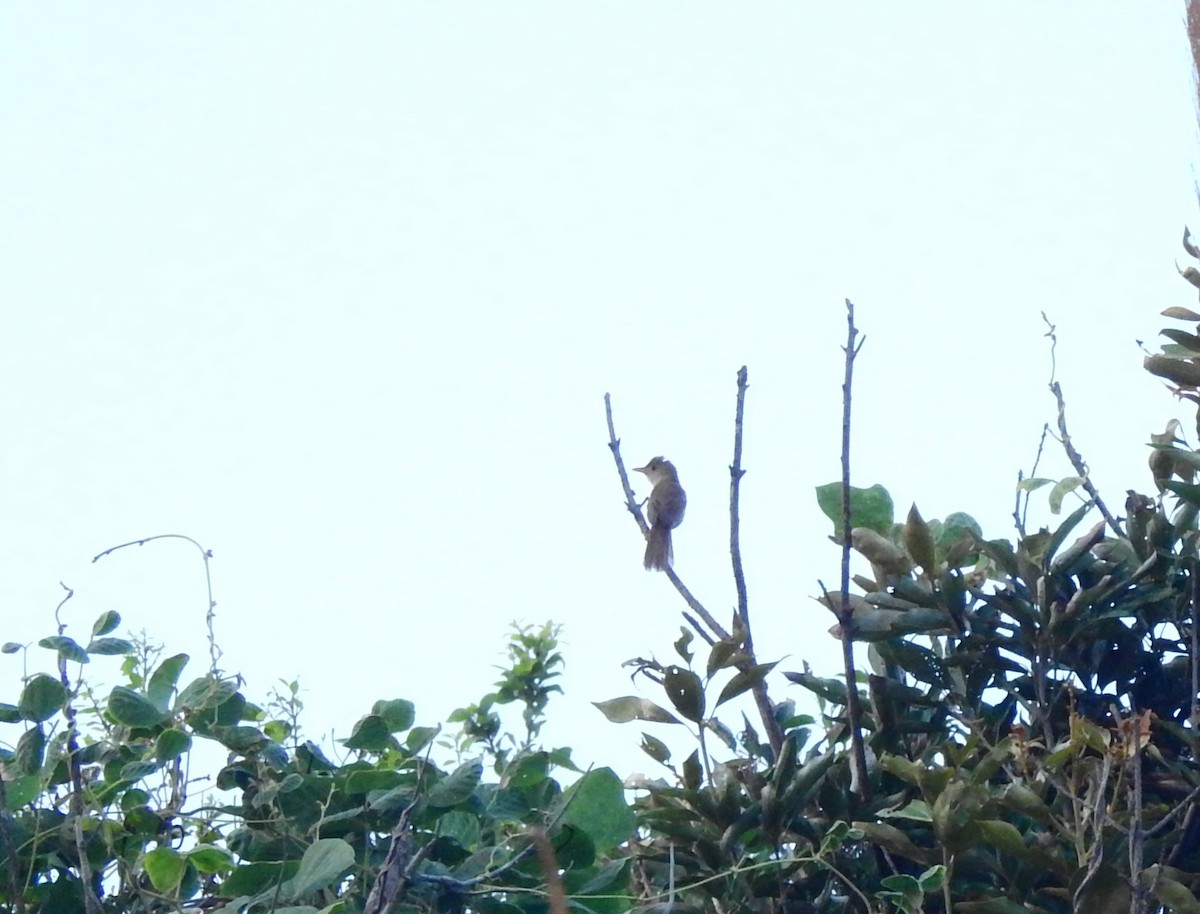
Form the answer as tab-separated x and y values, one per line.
853	708
766	709
90	902
735	484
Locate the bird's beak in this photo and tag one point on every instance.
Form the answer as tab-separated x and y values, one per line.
639	469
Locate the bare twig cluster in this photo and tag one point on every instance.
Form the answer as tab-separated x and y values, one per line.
711	630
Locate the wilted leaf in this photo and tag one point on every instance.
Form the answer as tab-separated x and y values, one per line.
918	541
1183	372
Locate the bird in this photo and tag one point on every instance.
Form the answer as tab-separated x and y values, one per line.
664	511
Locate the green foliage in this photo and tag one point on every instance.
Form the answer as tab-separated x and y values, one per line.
1027	717
289	828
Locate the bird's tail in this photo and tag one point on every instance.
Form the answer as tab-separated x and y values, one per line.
658	549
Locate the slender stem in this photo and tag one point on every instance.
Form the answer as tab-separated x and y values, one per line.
1064	437
859	782
90	902
766	709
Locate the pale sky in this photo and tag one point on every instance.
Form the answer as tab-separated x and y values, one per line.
337	289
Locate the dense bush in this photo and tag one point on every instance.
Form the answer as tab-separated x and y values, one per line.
1023	740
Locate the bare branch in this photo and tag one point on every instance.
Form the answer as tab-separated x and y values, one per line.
859	783
766	709
1064	437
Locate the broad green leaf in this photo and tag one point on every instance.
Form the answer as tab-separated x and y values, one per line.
685	691
165	867
205	693
208	859
596	804
66	647
527	770
106	623
456	786
22	790
871	507
133	709
31	750
631	707
744	681
655	748
42	698
399	713
171	744
164	679
1189	492
110	647
370	734
325	861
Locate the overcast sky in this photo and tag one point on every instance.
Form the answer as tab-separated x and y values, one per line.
337	289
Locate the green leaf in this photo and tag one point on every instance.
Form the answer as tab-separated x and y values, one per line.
527	770
164	679
1185	490
655	748
165	866
1061	490
596	804
171	744
1064	530
631	707
744	681
20	791
66	647
917	810
1033	483
110	647
205	693
106	623
10	647
871	507
9	714
686	692
31	750
456	786
370	734
398	714
42	698
133	709
208	859
325	861
420	737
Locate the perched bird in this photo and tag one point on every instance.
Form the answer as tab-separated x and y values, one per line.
664	511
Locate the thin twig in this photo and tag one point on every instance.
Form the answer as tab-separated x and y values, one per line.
1194	715
735	484
1021	511
214	652
614	445
1064	437
766	709
859	783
